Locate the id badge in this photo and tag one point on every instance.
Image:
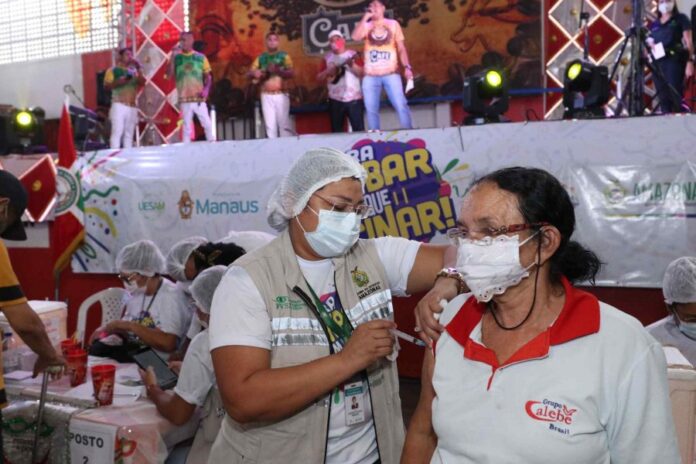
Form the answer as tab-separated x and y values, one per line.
658	50
353	395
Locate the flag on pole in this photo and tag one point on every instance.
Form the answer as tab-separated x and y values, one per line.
68	228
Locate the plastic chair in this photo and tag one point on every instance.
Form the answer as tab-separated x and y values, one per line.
111	300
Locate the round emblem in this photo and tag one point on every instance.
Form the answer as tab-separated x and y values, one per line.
67	189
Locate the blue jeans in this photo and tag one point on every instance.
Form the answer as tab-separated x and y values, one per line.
372	90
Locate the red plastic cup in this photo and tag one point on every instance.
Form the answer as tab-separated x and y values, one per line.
103	380
68	345
76	362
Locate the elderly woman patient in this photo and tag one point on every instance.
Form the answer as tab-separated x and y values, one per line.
530	369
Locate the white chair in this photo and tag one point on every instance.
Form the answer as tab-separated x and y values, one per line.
111	301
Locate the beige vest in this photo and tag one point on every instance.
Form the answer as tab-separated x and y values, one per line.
298	338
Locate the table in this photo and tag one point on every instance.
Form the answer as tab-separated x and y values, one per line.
142	434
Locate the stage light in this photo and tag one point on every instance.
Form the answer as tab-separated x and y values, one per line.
24	119
585	90
485	97
21	131
574	70
494	79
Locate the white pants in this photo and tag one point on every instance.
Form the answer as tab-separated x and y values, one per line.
200	110
123	121
276	114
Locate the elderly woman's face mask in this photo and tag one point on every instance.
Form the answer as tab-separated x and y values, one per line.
491	265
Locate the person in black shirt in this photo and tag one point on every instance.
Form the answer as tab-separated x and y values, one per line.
672	30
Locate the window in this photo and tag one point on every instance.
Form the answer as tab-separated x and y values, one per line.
36	29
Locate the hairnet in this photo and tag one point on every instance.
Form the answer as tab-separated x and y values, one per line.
204	285
679	283
179	253
142	257
312	171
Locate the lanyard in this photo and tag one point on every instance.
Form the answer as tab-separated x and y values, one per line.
337	323
143	310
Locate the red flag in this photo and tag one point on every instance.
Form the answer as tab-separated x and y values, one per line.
40	182
68	228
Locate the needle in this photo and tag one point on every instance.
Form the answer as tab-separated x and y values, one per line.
408	338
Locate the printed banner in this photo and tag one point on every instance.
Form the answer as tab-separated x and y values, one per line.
445	39
633	185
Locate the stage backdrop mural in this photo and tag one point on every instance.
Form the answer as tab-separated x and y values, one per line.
446	40
632	182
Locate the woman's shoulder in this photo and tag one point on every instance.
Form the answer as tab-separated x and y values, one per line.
622	329
169	287
452	308
169	291
683	20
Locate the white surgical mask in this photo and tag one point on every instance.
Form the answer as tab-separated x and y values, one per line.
687	328
665	7
335	234
131	287
491	265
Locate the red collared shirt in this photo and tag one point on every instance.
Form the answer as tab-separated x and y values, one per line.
578	392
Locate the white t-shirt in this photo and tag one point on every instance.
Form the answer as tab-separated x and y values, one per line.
591	389
239	317
348	87
169	311
197	376
666	332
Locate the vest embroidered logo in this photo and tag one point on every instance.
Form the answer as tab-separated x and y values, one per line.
360	278
284	302
557	414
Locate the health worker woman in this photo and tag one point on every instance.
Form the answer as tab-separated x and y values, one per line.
530	368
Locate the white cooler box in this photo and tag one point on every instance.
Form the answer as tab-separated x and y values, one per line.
53	314
682	393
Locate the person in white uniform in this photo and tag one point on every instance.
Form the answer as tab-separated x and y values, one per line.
679	289
301	327
177	257
529	368
196	384
179	254
155	314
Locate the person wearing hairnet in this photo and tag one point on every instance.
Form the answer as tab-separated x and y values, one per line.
196	384
300	327
678	329
179	255
155	314
203	257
